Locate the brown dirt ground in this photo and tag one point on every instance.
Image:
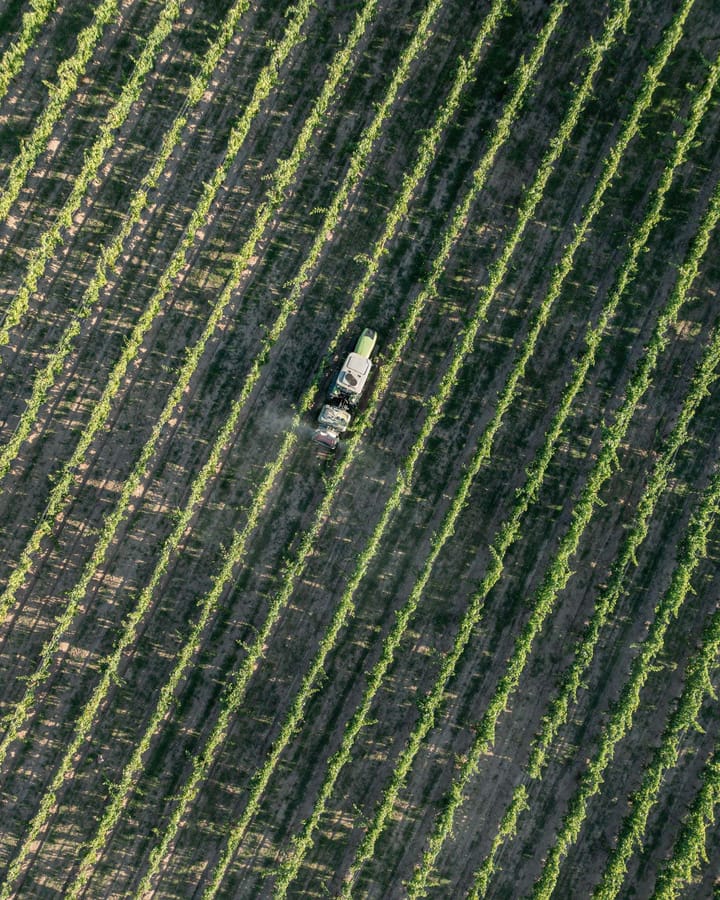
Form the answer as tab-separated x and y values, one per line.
184	445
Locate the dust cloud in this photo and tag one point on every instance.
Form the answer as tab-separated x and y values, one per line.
278	421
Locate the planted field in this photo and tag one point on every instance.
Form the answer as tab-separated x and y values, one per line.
475	650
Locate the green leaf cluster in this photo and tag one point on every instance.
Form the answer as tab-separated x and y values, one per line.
32	22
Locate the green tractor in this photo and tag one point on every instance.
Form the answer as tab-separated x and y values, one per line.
345	391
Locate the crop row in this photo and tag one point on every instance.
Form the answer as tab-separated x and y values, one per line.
101	412
60	493
559	572
511	530
294	568
435	406
42	253
689	851
507	829
560	706
266	81
32	22
697	686
191	645
69	73
109	255
111	663
621	719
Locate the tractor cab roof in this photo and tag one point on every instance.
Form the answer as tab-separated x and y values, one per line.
353	375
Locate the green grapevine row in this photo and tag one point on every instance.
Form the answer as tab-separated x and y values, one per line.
69	73
293	570
42	253
621	719
109	255
101	411
266	81
506	830
32	22
697	686
558	574
689	850
560	706
111	663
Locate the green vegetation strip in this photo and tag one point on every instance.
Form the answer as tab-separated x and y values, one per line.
637	532
498	270
110	253
42	253
506	831
689	851
110	664
559	572
69	73
294	568
15	721
345	607
572	681
32	22
508	533
698	686
621	720
266	81
560	706
60	495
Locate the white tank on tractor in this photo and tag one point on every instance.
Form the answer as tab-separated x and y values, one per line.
345	391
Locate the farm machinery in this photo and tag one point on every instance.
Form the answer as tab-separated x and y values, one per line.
345	392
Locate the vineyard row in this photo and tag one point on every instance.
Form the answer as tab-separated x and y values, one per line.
558	573
689	850
13	58
560	706
41	254
294	568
